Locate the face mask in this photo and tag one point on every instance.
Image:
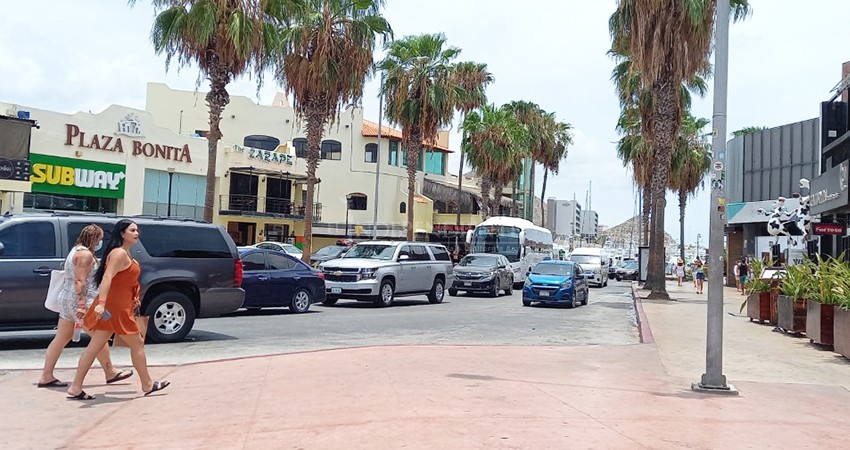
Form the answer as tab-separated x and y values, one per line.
98	246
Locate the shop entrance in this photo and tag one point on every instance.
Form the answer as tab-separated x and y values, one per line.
278	233
243	233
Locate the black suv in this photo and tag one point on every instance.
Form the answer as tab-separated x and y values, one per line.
189	269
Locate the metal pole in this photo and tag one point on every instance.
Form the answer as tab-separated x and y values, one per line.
713	379
170	178
378	162
347	205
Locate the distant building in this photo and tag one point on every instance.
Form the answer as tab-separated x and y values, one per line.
589	224
563	218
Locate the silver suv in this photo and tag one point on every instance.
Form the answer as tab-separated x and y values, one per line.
379	271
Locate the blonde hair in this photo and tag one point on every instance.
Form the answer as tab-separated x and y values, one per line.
89	237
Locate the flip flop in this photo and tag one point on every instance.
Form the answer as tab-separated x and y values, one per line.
157	386
53	384
122	375
81	396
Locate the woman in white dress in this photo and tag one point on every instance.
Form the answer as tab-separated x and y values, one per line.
76	297
680	270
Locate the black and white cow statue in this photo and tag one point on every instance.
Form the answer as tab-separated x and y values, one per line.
797	222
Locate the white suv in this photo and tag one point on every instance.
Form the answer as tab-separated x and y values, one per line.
379	271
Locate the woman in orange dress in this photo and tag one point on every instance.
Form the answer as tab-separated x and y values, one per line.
118	278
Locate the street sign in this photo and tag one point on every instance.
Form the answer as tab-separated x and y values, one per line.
829	229
718	166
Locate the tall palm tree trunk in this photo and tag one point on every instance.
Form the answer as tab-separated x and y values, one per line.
485	197
665	119
646	205
217	99
498	191
315	122
513	199
412	145
459	186
543	198
683	201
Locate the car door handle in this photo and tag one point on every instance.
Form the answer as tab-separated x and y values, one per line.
42	270
263	278
296	278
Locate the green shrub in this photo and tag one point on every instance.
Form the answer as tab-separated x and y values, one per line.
797	280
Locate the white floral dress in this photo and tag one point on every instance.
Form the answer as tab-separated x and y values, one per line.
68	296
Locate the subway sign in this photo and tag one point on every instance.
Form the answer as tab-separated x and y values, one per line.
55	175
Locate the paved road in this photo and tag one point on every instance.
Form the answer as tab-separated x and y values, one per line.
472	320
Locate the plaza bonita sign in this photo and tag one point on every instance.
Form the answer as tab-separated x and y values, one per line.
76	137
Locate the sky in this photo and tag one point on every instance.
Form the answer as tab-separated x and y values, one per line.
784	60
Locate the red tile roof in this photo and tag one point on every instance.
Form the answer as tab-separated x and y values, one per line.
370	129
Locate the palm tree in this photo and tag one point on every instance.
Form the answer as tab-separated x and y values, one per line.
472	78
496	145
421	96
748	130
325	58
551	160
691	163
226	39
669	42
542	140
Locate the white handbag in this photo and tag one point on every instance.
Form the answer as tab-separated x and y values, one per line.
57	282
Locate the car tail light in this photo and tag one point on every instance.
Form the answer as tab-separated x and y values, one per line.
320	275
237	272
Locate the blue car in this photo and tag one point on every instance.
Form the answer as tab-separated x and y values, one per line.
558	282
272	279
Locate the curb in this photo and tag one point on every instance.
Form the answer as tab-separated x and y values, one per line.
645	332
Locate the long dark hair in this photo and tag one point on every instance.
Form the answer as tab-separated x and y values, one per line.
115	241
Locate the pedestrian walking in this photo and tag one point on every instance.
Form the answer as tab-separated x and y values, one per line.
699	275
743	276
77	294
118	278
680	270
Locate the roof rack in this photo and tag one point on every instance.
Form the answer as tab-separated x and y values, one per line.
159	217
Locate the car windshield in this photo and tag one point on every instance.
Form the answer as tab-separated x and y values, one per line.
331	250
552	269
372	251
629	264
479	261
586	259
290	248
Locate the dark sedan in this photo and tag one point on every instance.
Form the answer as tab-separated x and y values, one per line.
330	252
627	270
483	272
274	279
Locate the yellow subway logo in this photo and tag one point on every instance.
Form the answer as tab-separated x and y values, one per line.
55	174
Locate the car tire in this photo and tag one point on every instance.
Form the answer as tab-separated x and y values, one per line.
438	291
605	283
330	301
526	303
572	304
301	301
386	293
510	290
172	316
452	292
494	291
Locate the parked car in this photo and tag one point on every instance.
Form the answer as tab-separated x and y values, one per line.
628	270
561	282
595	262
281	247
190	269
273	279
380	271
483	272
330	252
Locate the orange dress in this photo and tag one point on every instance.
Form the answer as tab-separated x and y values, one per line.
120	304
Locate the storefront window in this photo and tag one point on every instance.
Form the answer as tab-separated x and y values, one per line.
59	202
187	194
331	150
393	154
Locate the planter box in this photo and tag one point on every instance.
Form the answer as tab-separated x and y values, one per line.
758	307
819	322
841	328
792	314
774	308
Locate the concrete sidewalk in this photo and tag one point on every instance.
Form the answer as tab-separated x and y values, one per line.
465	397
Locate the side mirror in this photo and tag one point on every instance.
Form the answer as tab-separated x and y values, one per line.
2	248
403	258
502	266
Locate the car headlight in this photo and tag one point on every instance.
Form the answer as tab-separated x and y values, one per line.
527	283
368	274
488	276
598	271
566	284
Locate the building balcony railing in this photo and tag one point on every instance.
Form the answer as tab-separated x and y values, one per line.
252	205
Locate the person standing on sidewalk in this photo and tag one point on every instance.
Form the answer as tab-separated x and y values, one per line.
699	275
743	274
75	298
680	271
118	278
736	271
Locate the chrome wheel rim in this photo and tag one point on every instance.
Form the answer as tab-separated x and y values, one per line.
302	300
387	294
169	318
438	291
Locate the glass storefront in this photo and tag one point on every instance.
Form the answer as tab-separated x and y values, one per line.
60	202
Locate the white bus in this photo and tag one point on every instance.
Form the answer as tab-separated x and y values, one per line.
522	242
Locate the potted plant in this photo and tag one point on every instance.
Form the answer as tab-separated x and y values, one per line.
791	304
821	300
841	322
758	295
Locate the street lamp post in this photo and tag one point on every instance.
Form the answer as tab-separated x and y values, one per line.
347	208
170	181
699	236
713	380
377	162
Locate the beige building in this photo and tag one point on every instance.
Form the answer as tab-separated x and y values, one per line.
261	170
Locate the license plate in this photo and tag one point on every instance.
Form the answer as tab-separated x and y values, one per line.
544	293
467	284
336	290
